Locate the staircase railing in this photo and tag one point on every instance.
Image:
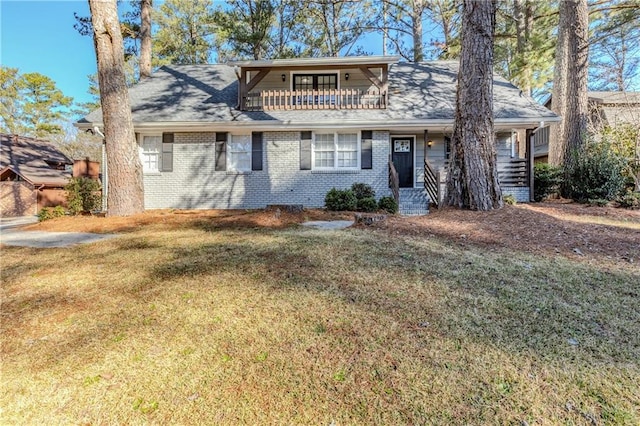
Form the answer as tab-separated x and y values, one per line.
394	181
432	183
515	173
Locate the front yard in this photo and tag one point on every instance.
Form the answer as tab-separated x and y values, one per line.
530	315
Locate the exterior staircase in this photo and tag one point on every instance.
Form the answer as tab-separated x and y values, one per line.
413	202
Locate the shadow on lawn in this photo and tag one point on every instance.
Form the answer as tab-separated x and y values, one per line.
528	229
510	300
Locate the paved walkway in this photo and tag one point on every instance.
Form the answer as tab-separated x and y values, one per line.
329	224
12	235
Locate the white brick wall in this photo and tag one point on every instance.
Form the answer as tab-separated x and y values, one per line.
194	183
520	193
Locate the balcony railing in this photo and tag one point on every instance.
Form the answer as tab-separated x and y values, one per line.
315	99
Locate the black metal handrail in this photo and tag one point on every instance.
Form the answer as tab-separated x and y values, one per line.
394	182
432	183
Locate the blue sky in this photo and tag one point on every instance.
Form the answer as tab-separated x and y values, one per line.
38	36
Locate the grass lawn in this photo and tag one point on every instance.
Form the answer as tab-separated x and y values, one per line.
203	321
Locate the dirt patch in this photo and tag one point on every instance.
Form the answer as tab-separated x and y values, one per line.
573	229
273	218
570	229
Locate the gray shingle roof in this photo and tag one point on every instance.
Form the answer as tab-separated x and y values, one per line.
417	93
30	158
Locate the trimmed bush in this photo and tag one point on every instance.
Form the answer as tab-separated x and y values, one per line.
362	191
547	180
630	200
340	199
597	174
47	213
388	204
368	205
510	200
83	195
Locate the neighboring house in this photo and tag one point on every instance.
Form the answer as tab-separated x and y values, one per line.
252	133
605	109
33	174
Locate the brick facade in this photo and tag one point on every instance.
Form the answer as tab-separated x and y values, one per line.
17	199
194	183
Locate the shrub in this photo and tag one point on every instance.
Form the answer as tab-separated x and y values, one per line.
363	190
47	213
547	180
510	199
368	205
83	195
340	199
388	204
597	173
630	200
599	202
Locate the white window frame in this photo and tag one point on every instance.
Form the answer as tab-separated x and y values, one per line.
145	153
335	150
230	152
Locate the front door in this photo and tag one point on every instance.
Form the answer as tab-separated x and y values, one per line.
402	157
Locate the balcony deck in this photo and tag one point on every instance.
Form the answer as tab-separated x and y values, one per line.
314	99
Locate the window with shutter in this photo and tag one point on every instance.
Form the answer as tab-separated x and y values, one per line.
366	150
305	150
256	151
221	151
167	152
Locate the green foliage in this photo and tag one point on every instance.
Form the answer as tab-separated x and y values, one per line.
47	213
367	204
596	173
83	195
32	105
547	180
510	200
624	140
388	204
363	190
630	200
340	200
185	32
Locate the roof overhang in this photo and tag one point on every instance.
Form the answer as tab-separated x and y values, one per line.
312	62
277	125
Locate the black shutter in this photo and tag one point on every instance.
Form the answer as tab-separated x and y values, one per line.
256	151
305	150
221	151
167	152
366	152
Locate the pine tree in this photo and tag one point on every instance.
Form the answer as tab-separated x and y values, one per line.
472	180
125	191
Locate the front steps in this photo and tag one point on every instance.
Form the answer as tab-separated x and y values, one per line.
413	202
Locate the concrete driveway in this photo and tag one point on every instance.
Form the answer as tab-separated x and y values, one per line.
12	235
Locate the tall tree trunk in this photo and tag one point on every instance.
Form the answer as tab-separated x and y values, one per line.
416	28
145	38
125	195
473	176
569	97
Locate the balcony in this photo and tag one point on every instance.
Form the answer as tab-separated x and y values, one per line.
268	100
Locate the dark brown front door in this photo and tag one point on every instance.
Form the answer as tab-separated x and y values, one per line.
402	157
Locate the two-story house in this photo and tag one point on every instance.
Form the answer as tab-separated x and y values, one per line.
251	133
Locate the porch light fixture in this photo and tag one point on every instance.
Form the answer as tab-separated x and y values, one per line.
346	76
429	143
284	77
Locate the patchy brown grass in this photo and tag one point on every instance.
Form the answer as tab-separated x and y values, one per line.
245	318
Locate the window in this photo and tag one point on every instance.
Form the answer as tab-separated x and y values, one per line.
335	151
348	150
150	153
239	153
315	81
